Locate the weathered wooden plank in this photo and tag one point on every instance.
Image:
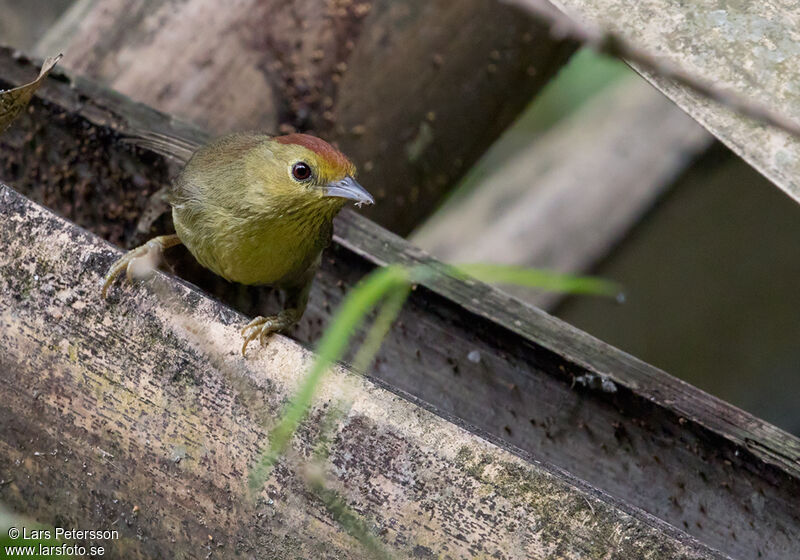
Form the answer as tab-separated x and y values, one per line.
146	404
463	349
747	47
570	197
389	80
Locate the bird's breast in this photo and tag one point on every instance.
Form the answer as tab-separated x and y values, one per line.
272	251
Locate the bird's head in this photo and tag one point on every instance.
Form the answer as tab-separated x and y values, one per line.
303	170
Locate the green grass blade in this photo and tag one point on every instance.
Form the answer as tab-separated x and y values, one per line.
349	520
354	308
540	279
380	328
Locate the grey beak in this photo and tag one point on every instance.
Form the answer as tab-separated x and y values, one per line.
348	188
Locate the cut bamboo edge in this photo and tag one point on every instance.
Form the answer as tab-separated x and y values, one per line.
540	387
143	402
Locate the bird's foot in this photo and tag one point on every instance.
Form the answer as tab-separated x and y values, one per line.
148	254
262	327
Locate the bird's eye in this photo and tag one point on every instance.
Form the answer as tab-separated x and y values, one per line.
301	171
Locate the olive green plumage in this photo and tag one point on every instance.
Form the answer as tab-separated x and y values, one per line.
258	210
239	211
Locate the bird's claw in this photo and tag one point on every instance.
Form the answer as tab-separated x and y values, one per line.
126	263
262	327
152	251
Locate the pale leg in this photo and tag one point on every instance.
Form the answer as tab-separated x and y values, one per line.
296	301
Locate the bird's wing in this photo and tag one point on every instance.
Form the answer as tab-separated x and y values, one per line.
167	145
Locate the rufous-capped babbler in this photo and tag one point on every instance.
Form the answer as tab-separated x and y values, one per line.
258	210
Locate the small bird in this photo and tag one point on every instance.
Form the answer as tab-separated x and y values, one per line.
257	210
